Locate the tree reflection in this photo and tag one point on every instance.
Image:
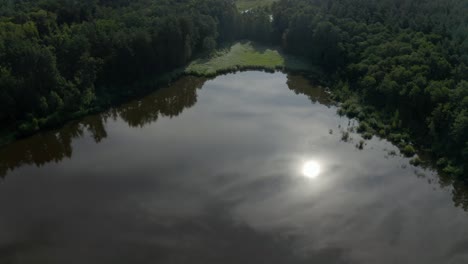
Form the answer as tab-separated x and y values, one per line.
95	126
54	146
460	194
50	146
301	85
169	101
459	189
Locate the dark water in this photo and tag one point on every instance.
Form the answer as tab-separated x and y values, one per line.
210	172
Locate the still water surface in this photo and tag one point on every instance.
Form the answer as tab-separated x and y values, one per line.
245	168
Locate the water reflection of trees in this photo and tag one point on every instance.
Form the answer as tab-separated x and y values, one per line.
54	146
50	146
459	190
301	85
170	101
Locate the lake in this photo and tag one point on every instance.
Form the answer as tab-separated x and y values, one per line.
249	167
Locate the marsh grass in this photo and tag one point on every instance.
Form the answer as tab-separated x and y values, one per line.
249	4
247	55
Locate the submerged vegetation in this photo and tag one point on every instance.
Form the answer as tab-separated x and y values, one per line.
400	67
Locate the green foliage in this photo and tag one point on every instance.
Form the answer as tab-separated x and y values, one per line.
360	145
408	151
209	44
345	136
364	127
58	57
416	161
30	127
367	135
256	25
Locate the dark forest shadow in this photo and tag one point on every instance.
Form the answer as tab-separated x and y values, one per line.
56	145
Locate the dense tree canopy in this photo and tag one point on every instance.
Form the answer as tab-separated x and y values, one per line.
58	56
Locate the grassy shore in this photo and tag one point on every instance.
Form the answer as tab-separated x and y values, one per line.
248	4
247	56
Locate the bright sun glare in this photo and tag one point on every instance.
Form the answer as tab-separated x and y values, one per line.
311	169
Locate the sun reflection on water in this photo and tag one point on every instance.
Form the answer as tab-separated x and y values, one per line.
311	169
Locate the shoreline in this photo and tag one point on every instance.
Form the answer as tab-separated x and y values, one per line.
249	56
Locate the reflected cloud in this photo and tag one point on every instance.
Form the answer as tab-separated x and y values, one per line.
213	237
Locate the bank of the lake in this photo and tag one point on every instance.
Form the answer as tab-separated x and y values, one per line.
102	102
248	55
238	56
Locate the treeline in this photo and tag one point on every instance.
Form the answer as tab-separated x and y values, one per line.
59	58
399	66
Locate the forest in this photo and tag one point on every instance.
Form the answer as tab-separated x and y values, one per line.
400	67
60	58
